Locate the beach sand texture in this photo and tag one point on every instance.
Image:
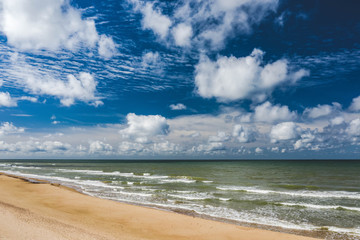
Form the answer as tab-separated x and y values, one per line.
44	211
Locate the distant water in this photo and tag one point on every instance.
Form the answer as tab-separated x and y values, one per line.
317	197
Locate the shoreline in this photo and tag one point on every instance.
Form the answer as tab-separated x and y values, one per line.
52	202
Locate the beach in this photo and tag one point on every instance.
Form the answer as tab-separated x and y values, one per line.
40	210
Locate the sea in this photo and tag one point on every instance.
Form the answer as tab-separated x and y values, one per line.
313	198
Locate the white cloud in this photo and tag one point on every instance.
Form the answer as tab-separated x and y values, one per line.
6	100
165	147
220	137
129	148
35	147
231	78
107	47
337	120
229	17
219	20
178	106
321	110
258	150
285	131
99	147
141	127
28	98
82	88
354	127
275	149
305	141
151	59
44	24
355	104
274	73
135	148
54	146
243	134
209	148
182	34
267	112
9	128
155	21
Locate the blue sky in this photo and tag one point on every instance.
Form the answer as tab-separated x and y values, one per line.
185	79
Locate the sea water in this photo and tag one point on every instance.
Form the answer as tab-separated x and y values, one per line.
318	198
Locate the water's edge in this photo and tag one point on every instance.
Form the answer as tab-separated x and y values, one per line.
321	233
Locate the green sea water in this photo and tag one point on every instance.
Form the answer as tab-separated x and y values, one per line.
318	198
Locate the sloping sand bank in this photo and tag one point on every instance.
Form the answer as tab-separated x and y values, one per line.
45	211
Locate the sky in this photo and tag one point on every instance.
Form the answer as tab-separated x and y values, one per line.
190	79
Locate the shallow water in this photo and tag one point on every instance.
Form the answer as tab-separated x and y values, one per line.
295	195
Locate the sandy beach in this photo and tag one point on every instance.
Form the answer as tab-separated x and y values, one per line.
45	211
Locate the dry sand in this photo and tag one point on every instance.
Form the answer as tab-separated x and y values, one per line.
44	211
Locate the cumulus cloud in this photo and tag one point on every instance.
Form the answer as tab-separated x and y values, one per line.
151	59
355	104
267	112
50	25
43	24
35	147
321	110
135	148
130	148
209	147
220	137
226	17
81	88
28	98
285	131
165	147
182	34
141	128
354	127
337	120
9	128
218	19
6	100
231	78
99	147
52	146
258	150
305	140
244	134
107	47
178	106
154	20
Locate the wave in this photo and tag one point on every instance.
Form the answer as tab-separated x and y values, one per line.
313	194
115	173
191	196
18	166
335	207
66	181
145	176
225	199
178	180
